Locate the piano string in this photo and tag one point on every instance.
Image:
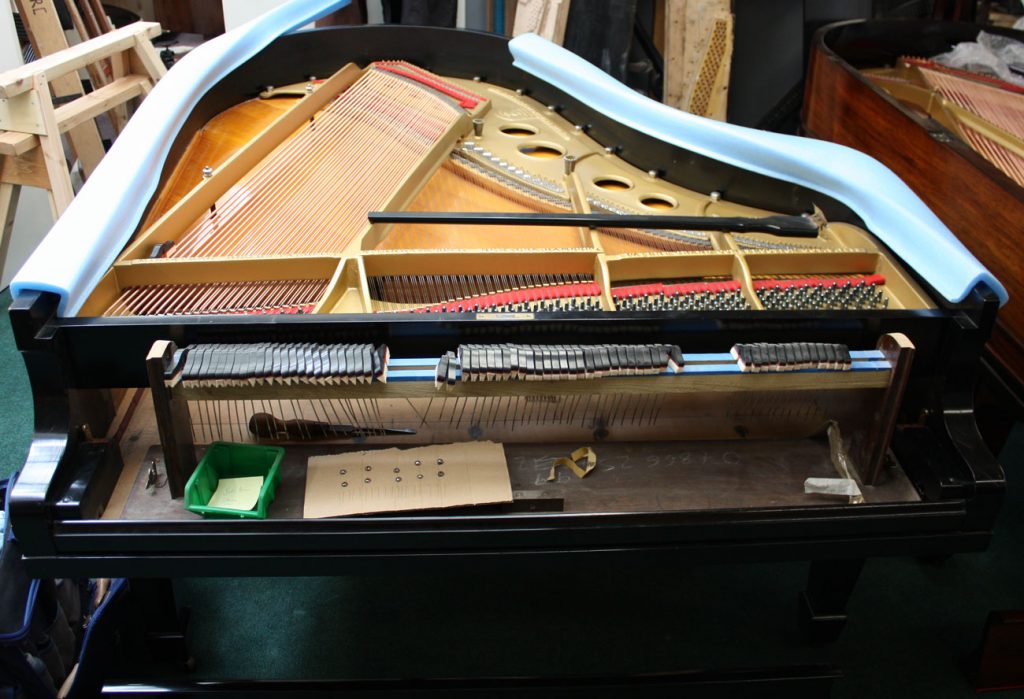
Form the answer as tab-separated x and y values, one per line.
347	160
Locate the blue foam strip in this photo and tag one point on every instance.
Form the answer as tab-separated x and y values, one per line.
869	360
404	362
888	207
409	374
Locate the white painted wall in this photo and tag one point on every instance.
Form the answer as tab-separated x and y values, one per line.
33	219
238	12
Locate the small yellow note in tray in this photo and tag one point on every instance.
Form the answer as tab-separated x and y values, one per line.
391	480
237	493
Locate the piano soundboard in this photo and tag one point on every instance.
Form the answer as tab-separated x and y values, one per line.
220	241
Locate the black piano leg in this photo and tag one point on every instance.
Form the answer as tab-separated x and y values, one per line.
156	618
823	604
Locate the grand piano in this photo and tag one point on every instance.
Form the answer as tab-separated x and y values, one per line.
871	79
394	236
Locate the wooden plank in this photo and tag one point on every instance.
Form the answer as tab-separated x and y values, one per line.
689	33
92	27
17	143
173	421
101	100
99	72
145	61
704	475
691	384
27	170
709	84
9	194
53	65
899	351
658	30
546	18
53	154
675	45
96	74
48	38
101	17
205	194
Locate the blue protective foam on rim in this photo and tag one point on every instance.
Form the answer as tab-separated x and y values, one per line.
888	207
86	240
90	234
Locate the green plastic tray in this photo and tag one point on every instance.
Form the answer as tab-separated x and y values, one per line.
228	460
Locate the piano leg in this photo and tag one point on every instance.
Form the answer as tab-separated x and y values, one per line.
157	623
823	604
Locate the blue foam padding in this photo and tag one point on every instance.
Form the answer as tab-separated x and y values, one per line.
86	240
889	208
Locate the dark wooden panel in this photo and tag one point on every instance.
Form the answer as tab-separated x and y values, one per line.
192	16
980	204
630	477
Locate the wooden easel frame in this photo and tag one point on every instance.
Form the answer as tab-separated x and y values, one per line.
31	150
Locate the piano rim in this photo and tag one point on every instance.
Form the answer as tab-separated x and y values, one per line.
493	62
213	548
825	38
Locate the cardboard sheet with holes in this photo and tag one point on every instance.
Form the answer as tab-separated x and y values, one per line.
391	480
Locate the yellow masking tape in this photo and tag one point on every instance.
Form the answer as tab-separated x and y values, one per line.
571	463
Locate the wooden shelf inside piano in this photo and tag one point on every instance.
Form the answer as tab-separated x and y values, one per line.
646	476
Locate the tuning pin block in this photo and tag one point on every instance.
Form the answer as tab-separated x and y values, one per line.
821	294
561	297
693	296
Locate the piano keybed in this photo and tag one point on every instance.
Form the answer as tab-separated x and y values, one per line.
384	141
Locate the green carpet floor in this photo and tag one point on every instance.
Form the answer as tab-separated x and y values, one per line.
913	623
15	398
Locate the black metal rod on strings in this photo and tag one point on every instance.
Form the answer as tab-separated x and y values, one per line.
780	225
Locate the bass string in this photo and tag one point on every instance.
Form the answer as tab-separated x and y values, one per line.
302	205
218	297
263	206
273	172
